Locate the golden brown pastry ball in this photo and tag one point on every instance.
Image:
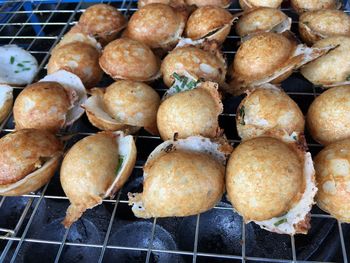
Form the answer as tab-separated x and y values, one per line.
103	22
311	5
79	58
316	25
156	25
197	62
251	4
268	110
332	166
211	22
136	60
328	116
28	159
262	19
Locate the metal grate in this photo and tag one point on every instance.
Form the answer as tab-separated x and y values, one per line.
38	26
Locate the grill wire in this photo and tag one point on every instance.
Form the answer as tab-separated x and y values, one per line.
16	237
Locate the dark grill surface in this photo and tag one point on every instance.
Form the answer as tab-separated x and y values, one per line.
30	229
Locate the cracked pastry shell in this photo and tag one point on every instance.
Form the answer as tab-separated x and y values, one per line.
268	57
328	116
268	110
210	22
311	5
332	69
103	22
263	19
76	34
96	167
6	101
251	4
197	62
156	25
124	105
316	25
332	167
28	159
136	61
79	58
272	183
201	164
50	104
191	112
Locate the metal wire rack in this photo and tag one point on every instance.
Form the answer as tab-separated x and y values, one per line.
38	26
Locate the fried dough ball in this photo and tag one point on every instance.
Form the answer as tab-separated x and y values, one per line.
316	25
79	58
268	110
332	166
28	159
195	61
103	22
136	61
156	25
328	116
211	22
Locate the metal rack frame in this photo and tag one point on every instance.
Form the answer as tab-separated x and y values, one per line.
11	235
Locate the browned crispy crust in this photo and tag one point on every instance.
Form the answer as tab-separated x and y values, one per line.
24	151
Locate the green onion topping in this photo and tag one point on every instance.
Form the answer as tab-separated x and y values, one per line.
12	59
120	162
280	222
242	115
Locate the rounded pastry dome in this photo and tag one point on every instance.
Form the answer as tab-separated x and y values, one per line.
195	61
250	4
262	19
136	60
103	22
94	168
211	22
201	164
42	105
332	166
189	113
264	178
328	116
156	25
316	25
28	160
269	111
79	58
261	55
332	68
311	5
133	103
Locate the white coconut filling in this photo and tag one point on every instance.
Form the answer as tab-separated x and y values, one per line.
80	37
72	82
189	42
193	143
282	26
286	224
310	53
94	104
17	66
5	94
125	145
